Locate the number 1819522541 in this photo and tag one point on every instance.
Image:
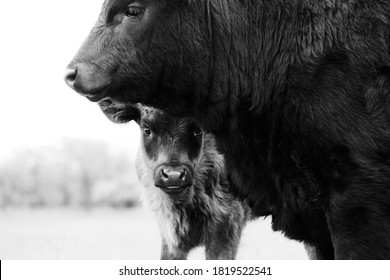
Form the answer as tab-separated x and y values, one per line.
242	270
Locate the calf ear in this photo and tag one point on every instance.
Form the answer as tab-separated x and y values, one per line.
131	113
119	112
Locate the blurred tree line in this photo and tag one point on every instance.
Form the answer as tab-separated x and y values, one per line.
77	173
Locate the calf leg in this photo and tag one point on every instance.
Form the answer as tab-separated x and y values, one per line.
172	254
222	244
217	252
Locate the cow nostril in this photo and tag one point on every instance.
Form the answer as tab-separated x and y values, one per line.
70	76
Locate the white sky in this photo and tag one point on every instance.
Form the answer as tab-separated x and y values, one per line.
37	41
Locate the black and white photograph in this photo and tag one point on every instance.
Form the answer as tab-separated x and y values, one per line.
195	130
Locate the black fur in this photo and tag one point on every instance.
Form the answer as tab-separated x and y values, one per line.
296	92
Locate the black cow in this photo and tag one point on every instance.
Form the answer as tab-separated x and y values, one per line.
296	93
185	186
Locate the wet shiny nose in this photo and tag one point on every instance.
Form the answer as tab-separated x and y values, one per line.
173	177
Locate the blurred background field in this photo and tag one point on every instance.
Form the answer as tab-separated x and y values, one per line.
107	233
80	200
82	173
68	188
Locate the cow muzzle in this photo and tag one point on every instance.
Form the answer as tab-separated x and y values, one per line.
173	179
87	80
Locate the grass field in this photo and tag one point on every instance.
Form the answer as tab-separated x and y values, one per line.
115	234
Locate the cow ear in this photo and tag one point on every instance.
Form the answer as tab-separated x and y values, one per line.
119	112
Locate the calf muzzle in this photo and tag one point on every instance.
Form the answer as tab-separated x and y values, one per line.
173	179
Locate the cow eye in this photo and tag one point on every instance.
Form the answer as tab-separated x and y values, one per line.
197	131
134	11
147	131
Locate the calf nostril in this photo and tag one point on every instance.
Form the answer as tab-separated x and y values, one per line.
183	175
70	76
164	174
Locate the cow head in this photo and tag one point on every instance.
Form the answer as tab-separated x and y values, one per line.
150	51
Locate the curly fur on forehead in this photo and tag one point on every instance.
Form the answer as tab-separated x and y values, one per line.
148	112
154	117
163	120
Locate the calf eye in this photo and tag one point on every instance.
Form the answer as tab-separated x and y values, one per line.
134	11
197	132
147	131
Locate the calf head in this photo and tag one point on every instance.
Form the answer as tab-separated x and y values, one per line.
171	148
148	51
